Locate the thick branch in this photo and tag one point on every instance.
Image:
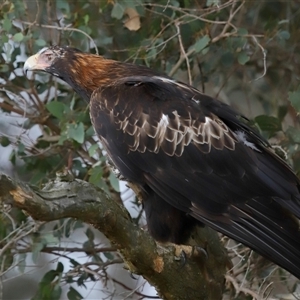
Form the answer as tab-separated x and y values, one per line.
175	277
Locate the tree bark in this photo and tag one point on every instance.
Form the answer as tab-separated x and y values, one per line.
190	274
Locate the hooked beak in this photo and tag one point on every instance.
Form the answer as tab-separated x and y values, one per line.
36	62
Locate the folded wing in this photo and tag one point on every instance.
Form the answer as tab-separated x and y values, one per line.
196	154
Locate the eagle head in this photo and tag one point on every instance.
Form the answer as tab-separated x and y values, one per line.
51	60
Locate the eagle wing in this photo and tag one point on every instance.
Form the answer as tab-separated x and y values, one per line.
198	155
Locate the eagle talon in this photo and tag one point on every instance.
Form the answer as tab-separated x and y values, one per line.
199	251
182	258
184	252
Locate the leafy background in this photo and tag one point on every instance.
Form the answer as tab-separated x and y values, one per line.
246	53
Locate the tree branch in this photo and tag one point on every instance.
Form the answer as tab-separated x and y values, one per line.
156	263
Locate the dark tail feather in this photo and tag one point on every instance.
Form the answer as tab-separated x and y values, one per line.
268	229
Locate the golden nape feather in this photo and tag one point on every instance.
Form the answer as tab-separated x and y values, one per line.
195	158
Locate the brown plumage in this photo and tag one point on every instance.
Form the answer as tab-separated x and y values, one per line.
194	157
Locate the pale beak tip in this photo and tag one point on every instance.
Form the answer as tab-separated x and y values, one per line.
26	68
30	64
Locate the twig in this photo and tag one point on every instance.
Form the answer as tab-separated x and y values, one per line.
70	249
195	16
101	267
23	227
136	292
105	264
66	28
13	223
247	270
264	57
239	289
228	24
179	62
37	11
15	239
183	53
17	98
166	6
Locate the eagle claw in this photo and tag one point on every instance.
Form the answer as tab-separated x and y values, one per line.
183	252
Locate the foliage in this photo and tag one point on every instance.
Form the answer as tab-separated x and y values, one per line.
246	53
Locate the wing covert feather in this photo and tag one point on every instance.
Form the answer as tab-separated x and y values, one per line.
169	125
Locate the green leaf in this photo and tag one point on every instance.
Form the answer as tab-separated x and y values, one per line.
21	148
74	262
76	132
63	5
92	150
49	288
86	19
63	137
36	250
242	31
201	43
212	3
73	294
283	34
114	182
18	37
69	279
68	227
294	98
40	42
106	40
77	225
97	258
49	276
96	175
60	267
7	24
56	109
117	11
227	59
12	157
151	55
90	234
268	123
22	262
108	255
243	58
294	134
6	7
72	104
90	131
4	68
282	111
4	39
56	293
41	87
82	279
49	238
4	141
